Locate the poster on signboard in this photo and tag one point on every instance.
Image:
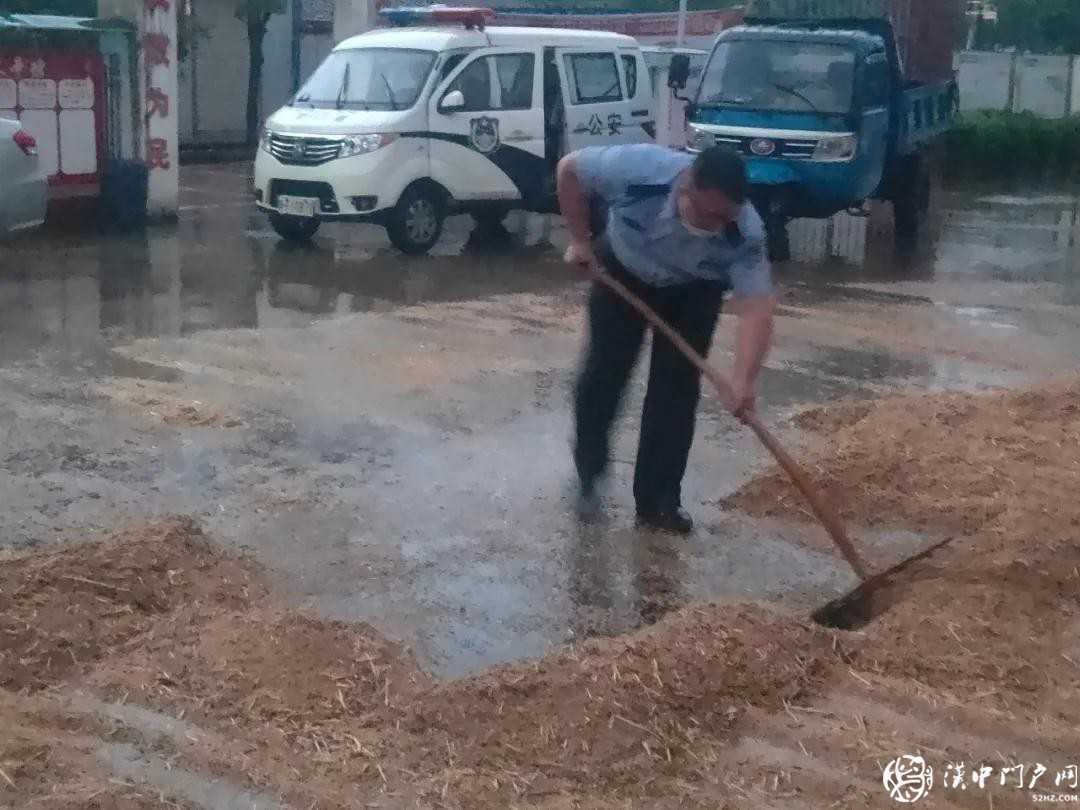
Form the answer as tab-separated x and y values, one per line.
37	94
76	94
9	94
78	153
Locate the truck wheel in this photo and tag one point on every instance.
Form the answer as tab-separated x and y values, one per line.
776	238
906	218
911	205
770	207
416	222
294	229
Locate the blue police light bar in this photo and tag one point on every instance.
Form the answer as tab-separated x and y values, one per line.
470	17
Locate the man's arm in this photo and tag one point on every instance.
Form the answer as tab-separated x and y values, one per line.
575	208
753	339
753	302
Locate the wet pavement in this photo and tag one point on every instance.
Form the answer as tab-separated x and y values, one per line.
392	433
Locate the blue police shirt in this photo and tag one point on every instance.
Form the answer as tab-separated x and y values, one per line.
646	233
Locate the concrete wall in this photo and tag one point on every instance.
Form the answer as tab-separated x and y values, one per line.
1042	85
1047	85
352	17
314	48
213	79
984	79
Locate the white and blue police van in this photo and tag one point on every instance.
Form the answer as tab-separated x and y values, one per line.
443	112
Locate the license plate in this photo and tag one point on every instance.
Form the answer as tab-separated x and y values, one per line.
298	206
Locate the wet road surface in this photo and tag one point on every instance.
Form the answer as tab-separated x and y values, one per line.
392	433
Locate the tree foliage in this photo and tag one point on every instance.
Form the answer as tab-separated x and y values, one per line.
258	9
1040	26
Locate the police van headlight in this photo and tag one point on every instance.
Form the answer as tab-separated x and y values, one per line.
352	145
264	139
698	139
841	147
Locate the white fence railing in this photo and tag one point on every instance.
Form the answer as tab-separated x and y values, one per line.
1045	84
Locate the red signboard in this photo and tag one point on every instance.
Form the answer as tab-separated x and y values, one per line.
59	96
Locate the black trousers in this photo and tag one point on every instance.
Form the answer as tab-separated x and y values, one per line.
615	336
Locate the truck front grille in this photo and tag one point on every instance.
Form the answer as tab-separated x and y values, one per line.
299	151
789	149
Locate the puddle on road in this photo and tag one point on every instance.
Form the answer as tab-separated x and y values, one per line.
494	594
820	291
122	366
70	295
65	297
860	369
867	365
490	566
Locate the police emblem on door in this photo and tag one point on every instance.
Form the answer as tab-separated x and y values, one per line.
484	134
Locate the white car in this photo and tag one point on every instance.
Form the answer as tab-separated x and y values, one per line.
401	126
23	186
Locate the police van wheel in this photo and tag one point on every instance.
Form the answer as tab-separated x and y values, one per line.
294	229
417	220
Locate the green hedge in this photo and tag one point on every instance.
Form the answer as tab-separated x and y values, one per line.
1012	144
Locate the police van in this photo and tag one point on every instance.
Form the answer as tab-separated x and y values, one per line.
443	113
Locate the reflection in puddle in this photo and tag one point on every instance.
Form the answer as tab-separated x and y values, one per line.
868	365
862	367
121	366
1014	237
984	316
74	296
344	278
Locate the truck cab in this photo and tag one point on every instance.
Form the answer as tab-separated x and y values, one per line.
824	115
799	108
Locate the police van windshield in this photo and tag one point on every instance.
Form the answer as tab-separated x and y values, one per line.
368	79
780	76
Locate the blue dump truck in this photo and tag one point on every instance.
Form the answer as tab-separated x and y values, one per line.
833	103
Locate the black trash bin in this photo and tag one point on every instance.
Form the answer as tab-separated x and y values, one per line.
124	190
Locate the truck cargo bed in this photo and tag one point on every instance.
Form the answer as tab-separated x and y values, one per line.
928	112
924	29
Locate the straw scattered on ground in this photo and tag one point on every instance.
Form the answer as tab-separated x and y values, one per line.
167	402
950	462
995	611
972	652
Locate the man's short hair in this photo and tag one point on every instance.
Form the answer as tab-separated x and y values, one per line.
719	168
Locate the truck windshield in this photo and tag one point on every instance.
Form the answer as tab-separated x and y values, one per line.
368	79
780	75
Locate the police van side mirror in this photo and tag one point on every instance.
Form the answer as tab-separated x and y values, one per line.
679	72
454	101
